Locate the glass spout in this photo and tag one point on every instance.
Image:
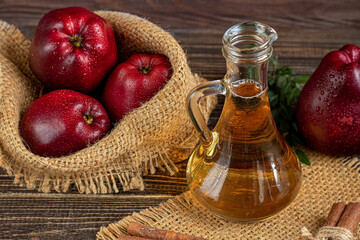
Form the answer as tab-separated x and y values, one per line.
249	42
247	48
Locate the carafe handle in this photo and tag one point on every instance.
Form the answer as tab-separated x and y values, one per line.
192	104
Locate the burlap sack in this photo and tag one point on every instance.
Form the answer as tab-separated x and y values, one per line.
143	141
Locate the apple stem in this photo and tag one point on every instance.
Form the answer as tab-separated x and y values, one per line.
88	118
76	40
146	69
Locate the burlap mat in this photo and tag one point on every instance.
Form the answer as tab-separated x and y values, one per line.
148	138
326	181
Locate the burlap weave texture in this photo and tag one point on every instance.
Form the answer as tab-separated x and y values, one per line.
328	180
144	140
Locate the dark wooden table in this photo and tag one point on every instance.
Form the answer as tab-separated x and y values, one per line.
307	30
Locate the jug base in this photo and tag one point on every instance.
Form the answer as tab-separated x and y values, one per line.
244	221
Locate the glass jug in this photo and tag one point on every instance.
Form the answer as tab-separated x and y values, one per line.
243	170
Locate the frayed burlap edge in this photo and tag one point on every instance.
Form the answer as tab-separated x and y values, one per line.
179	205
148	216
106	179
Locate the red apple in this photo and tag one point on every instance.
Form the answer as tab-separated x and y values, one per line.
328	108
134	82
63	122
72	48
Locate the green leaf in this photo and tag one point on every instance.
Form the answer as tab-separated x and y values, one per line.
285	70
294	93
273	99
287	113
301	78
286	88
271	81
302	157
281	81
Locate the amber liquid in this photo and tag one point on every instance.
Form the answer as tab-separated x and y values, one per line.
251	173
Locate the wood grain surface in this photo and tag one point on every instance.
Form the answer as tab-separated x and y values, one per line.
307	31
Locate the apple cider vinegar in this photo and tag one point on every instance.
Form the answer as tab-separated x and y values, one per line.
252	174
243	170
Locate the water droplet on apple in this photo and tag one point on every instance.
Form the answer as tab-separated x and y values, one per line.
317	109
322	93
332	75
319	98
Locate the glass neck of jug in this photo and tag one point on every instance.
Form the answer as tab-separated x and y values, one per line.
247	48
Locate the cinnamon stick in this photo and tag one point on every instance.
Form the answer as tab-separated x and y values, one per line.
140	230
335	214
351	217
131	238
